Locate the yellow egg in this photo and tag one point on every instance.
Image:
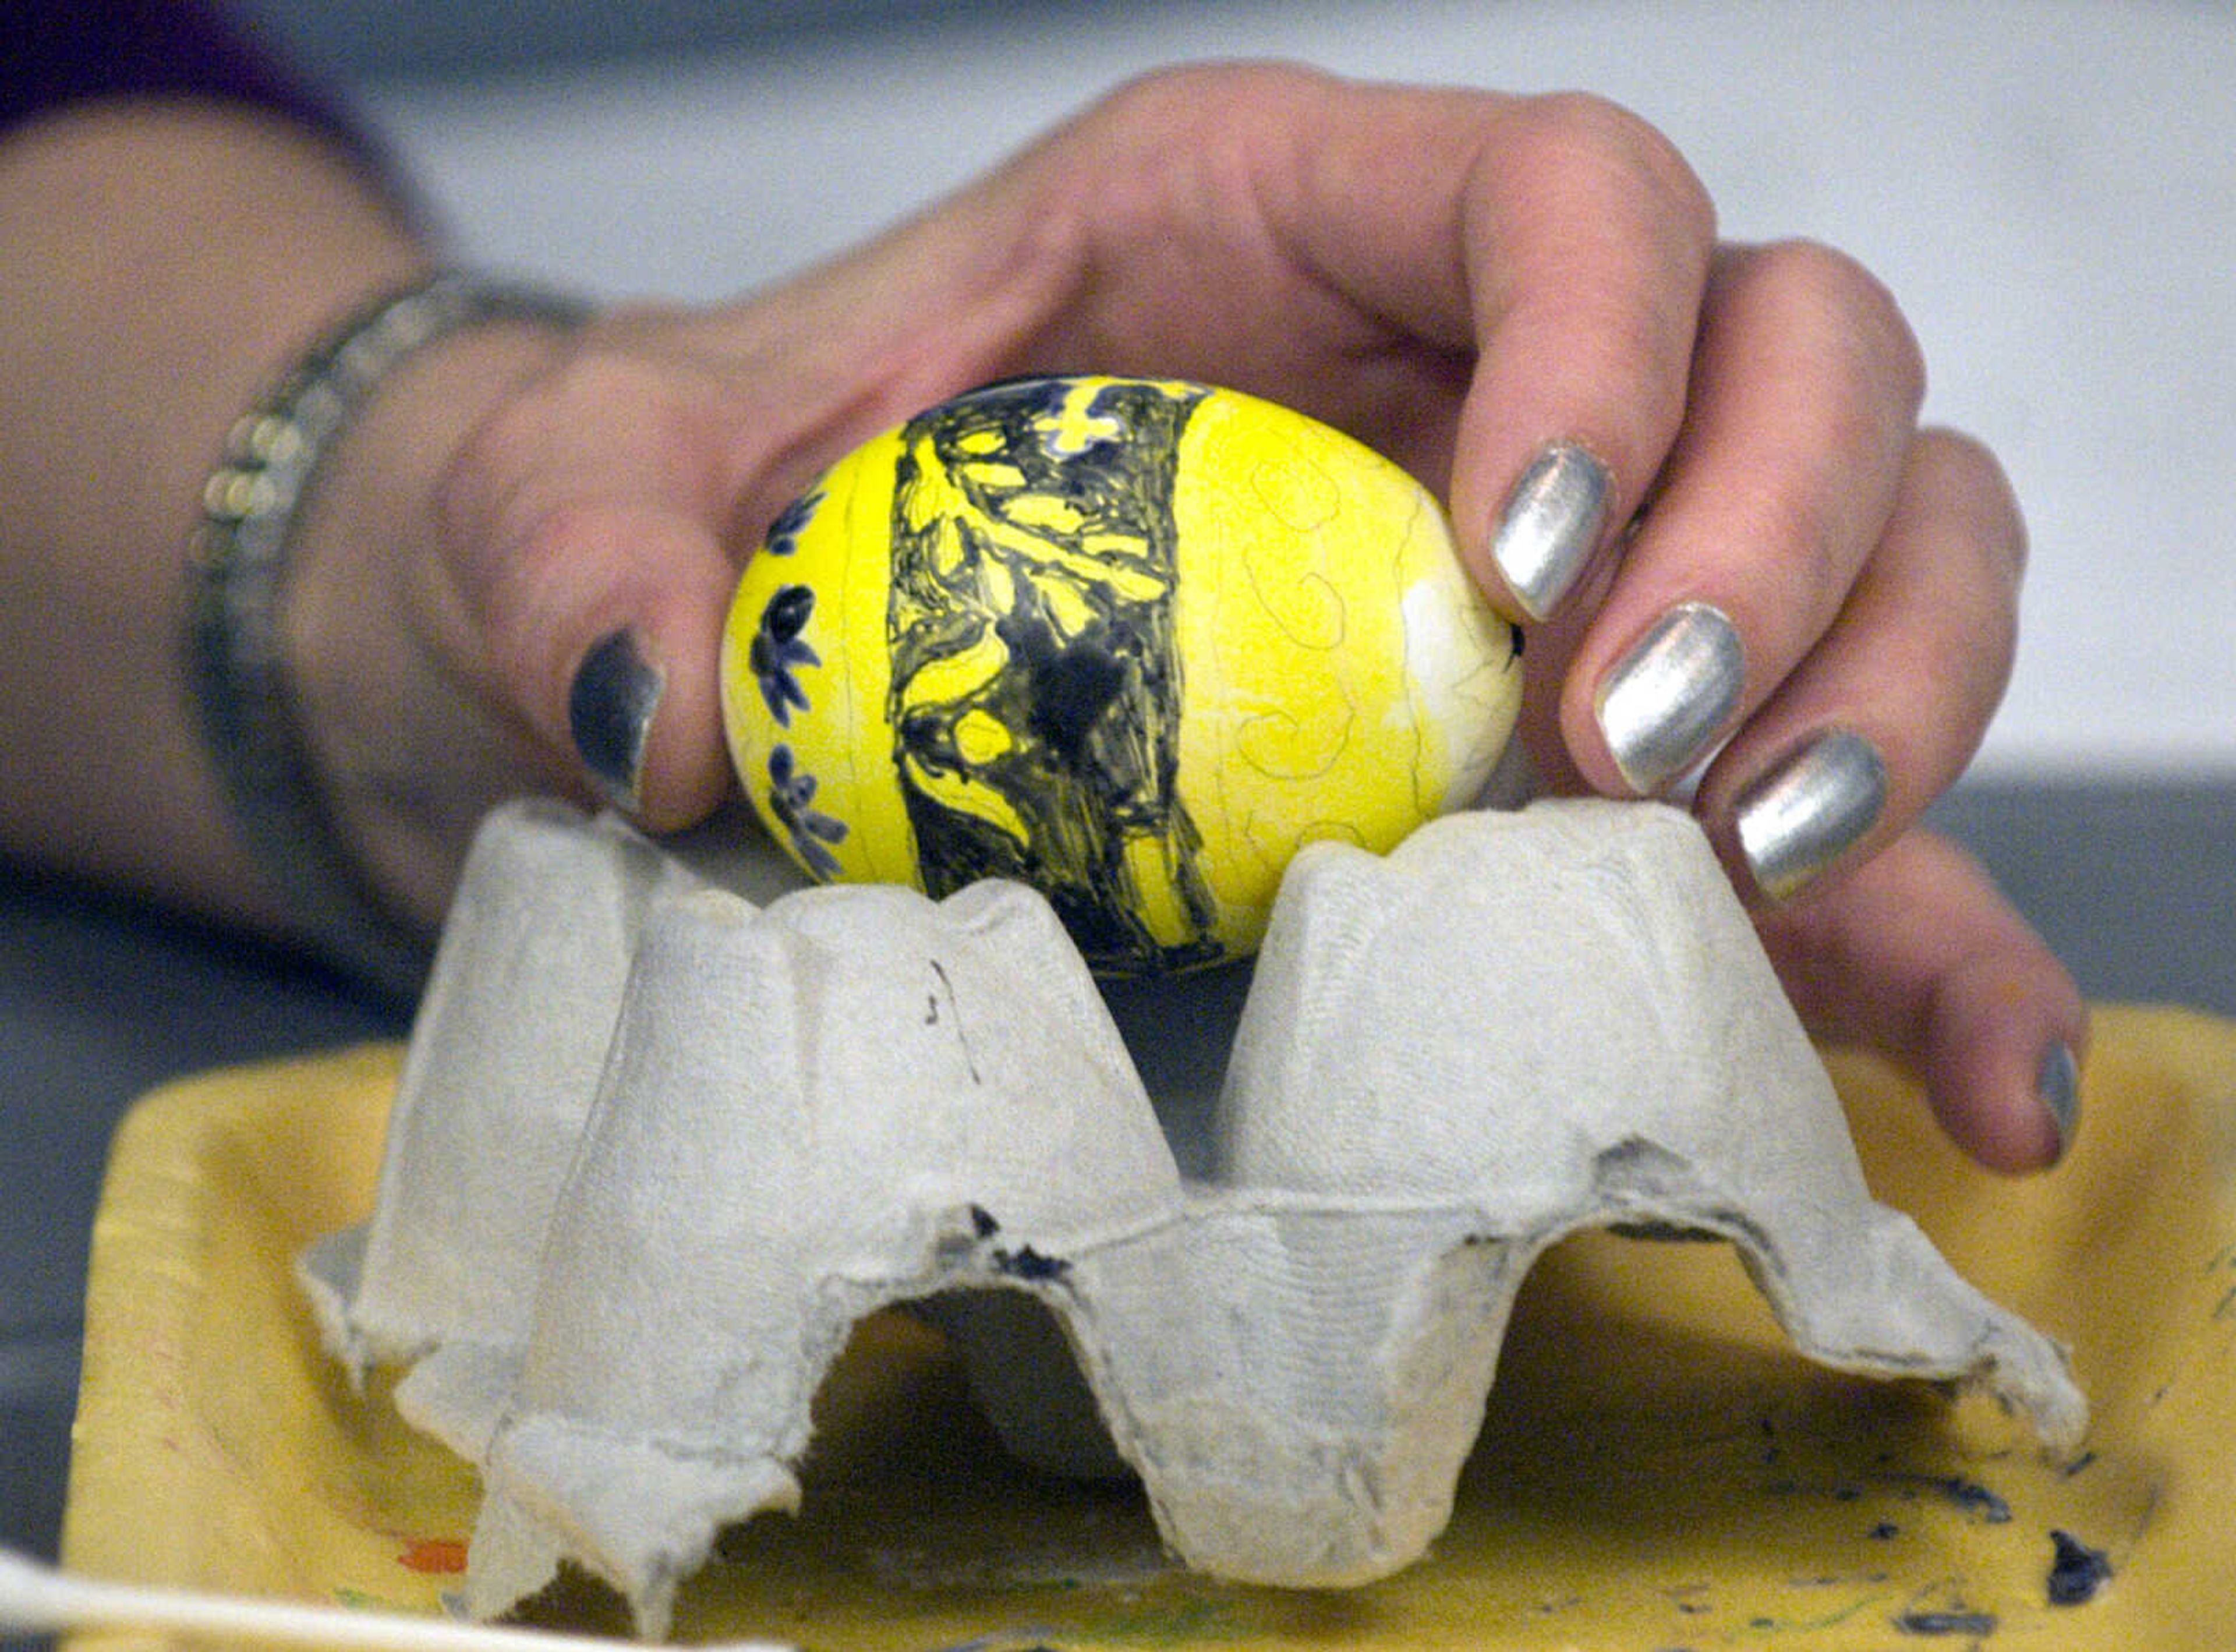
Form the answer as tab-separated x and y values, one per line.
1132	642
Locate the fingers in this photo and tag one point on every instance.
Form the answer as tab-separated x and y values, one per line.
1589	243
1819	590
1890	935
1803	392
1917	954
582	530
1413	265
1766	398
1883	712
1561	240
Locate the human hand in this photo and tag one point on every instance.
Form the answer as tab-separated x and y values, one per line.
1519	300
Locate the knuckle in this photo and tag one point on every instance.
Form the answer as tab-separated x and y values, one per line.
1811	558
512	591
502	502
470	493
1959	467
521	461
1145	102
1168	135
1850	313
1585	136
503	457
1167	113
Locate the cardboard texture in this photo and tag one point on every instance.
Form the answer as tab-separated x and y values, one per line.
503	1060
1515	1026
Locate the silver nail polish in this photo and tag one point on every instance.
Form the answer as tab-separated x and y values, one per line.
2058	1083
609	712
1552	523
1809	810
1667	700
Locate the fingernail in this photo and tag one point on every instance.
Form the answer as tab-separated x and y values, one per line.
1665	701
609	709
1809	811
2058	1084
1551	525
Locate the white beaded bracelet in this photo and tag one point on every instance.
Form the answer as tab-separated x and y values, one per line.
237	670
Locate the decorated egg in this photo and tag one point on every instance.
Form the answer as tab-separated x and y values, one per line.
1132	642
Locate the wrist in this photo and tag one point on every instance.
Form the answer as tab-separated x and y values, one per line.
330	675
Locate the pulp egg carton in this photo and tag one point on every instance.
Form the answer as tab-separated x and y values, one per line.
658	1146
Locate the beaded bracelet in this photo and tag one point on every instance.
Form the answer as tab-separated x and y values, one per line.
237	671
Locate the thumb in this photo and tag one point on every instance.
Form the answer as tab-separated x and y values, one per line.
585	529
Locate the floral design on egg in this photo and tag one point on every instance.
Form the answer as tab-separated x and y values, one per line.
776	651
782	536
790	800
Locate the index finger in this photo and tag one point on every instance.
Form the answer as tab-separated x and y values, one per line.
1500	293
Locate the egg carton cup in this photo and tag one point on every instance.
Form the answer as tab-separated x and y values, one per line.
657	1149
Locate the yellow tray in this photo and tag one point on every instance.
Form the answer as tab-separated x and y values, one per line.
1657	1470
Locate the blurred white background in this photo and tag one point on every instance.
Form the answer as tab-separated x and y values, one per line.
2048	186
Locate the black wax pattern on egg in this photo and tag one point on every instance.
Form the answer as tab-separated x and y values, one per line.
1037	516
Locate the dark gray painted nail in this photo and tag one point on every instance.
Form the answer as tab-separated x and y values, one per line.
2058	1083
609	711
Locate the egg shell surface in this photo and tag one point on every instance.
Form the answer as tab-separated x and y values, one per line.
1133	641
